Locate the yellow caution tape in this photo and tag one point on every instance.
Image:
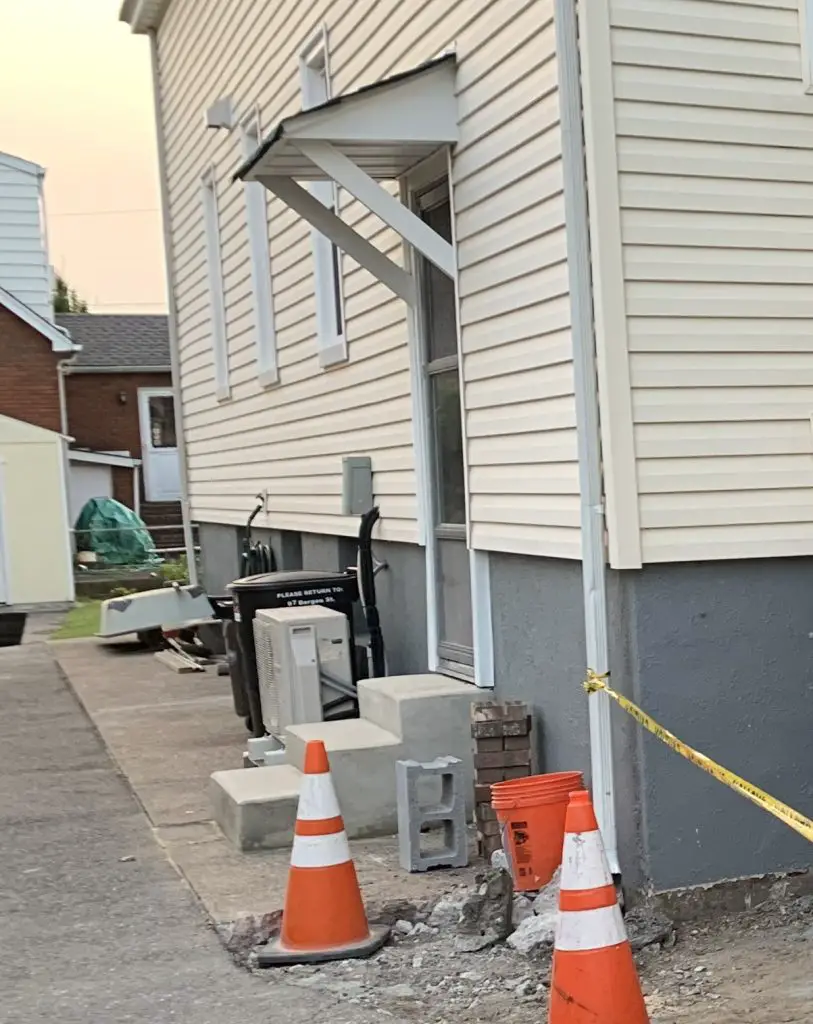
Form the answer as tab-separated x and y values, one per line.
792	818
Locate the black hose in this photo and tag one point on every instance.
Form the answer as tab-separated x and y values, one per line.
256	558
367	587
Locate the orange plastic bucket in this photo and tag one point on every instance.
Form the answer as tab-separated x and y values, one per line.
531	813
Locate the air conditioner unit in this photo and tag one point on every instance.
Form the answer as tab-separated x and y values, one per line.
303	664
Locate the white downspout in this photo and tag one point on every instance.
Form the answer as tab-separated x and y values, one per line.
587	417
63	367
188	537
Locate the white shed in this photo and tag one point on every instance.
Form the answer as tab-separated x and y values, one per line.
35	549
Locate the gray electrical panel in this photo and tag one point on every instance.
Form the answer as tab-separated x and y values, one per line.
357	485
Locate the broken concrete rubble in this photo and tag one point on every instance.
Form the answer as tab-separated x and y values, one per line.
522	909
486	915
533	935
647	926
247	931
446	912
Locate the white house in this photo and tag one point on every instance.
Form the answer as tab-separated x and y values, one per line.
24	267
550	270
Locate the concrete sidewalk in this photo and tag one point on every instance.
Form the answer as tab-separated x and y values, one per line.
167	733
95	926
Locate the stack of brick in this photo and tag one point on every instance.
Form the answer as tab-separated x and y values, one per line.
502	751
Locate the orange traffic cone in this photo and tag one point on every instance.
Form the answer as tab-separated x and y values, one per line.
324	917
594	979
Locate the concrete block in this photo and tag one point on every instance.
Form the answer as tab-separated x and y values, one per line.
430	713
449	811
362	762
256	809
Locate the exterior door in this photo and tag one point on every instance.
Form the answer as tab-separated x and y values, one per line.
447	472
159	445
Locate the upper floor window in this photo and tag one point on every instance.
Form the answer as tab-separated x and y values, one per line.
314	78
256	203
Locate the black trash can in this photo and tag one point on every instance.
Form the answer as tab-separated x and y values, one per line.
285	589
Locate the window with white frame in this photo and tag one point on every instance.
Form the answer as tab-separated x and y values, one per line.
806	32
256	202
217	303
314	80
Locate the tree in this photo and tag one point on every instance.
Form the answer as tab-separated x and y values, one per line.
65	299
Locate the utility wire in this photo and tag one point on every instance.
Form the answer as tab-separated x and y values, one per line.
103	213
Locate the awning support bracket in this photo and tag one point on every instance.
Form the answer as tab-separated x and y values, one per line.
358	248
391	210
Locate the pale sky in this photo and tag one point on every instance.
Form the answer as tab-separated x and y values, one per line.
76	97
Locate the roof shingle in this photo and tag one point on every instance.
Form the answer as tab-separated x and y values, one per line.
129	341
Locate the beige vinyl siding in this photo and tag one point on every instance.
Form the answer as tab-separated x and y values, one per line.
37	561
714	137
520	417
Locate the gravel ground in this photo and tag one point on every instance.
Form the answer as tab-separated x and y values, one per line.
755	967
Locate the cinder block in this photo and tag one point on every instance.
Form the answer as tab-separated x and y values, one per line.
450	812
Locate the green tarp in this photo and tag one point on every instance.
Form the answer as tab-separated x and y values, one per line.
115	533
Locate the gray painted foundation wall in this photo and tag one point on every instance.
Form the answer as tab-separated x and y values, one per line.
720	653
538	626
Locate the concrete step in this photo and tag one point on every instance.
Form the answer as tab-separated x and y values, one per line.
430	714
256	807
362	762
417	717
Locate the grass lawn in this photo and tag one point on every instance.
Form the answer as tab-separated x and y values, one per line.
81	621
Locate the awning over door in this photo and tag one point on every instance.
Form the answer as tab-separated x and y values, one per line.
378	133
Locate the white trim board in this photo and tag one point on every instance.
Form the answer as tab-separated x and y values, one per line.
65	504
255	199
60	340
5	586
328	272
217	302
481	619
103	458
615	392
806	33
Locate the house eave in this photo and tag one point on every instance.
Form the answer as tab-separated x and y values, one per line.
17	163
74	369
386	127
143	15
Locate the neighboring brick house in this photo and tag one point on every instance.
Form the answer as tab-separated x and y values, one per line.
30	351
119	402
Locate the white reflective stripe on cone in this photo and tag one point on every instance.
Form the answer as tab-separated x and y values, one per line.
317	798
320	851
589	929
584	863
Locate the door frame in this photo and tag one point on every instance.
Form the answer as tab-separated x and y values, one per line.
144	395
434	168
